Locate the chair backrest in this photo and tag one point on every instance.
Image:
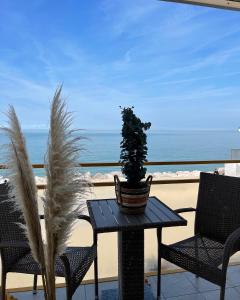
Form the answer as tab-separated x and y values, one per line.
218	206
10	229
9	217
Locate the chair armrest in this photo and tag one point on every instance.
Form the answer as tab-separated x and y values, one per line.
178	211
84	217
185	209
230	247
14	244
80	217
88	219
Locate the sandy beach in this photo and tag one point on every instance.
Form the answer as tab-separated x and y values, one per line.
174	195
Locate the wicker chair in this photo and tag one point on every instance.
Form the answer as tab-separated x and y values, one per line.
217	232
16	255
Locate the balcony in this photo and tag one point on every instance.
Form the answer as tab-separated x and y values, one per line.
176	284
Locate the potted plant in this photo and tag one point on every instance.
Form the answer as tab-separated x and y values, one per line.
133	194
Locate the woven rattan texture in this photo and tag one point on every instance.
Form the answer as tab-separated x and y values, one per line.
218	206
73	265
9	229
198	254
217	231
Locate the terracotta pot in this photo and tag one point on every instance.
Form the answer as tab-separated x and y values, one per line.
132	200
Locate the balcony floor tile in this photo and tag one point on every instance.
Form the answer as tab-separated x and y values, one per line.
177	286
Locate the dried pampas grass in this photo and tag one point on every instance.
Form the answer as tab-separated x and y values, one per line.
23	185
24	189
65	187
64	192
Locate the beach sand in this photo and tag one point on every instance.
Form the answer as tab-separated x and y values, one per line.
173	195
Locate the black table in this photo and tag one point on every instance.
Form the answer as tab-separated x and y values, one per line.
106	217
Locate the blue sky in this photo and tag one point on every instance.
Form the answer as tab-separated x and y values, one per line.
179	65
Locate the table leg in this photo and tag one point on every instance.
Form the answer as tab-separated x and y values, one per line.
159	237
131	265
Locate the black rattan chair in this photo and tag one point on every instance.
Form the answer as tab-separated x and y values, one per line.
217	232
16	255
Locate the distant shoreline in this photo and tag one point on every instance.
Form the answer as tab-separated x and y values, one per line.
108	177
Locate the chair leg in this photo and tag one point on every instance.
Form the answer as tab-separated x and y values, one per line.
68	288
222	293
3	289
69	296
159	236
159	279
96	277
95	241
35	284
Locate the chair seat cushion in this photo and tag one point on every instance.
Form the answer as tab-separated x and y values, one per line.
199	255
79	259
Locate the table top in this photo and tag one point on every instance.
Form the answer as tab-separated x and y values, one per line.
106	217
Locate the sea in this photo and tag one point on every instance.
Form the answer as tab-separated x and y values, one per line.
163	145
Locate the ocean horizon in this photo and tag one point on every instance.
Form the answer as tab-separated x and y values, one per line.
163	145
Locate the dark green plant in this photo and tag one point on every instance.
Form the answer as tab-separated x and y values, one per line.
133	147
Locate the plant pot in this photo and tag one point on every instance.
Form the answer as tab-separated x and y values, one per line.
132	200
